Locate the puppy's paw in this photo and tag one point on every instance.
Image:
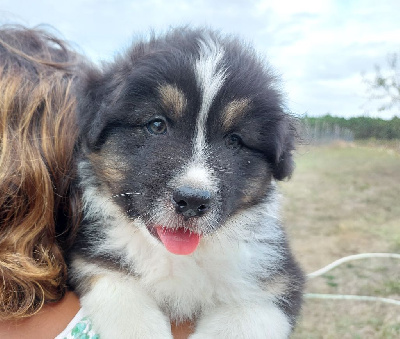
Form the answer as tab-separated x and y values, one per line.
151	325
119	308
256	322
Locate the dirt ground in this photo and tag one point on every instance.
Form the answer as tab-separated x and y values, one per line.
344	199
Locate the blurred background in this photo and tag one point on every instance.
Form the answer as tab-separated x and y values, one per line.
339	62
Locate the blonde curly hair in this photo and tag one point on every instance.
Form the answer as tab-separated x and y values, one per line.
39	210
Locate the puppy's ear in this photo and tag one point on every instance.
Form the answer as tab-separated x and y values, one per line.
285	139
90	95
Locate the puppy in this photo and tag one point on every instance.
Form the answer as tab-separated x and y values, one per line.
181	142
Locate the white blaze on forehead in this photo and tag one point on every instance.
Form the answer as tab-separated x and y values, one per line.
209	79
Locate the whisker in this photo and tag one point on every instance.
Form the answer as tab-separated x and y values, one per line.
119	195
125	194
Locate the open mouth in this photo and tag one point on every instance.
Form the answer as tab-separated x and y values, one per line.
179	241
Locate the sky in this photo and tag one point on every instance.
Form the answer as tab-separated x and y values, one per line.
323	50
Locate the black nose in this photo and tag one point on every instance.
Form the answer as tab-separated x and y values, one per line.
191	202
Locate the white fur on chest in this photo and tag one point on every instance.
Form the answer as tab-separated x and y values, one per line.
221	271
222	276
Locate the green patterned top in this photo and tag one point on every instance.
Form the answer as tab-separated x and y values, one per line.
79	328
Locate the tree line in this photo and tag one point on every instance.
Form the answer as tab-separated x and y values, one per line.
357	128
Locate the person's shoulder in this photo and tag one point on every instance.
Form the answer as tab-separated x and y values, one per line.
48	323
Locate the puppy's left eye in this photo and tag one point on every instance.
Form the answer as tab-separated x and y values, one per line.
157	126
233	141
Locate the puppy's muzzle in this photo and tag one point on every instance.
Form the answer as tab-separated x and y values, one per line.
191	202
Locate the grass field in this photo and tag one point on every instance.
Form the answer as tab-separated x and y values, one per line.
344	199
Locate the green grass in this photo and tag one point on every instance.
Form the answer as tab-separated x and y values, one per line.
344	199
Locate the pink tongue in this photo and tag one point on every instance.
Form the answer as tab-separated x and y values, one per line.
178	241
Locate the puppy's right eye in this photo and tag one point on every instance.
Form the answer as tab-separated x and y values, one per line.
233	141
157	126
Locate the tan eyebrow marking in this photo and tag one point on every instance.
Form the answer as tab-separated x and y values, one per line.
173	99
233	111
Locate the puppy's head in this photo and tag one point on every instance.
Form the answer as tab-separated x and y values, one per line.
183	132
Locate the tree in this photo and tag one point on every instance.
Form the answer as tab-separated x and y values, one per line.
385	86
